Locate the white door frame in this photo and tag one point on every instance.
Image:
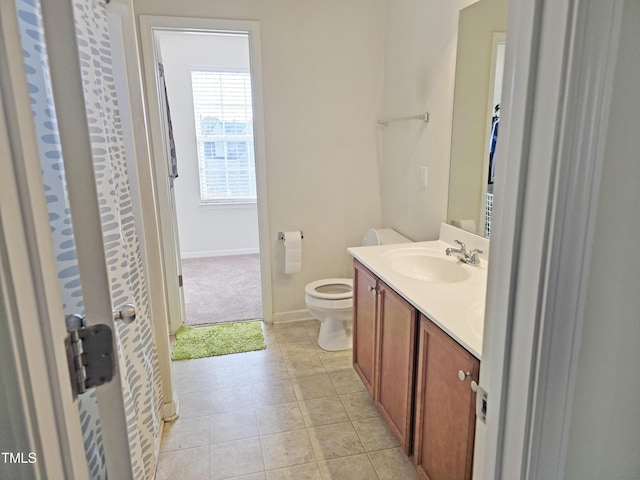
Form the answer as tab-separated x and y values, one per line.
149	25
559	68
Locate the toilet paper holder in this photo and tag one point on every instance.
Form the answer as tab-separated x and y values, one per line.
281	236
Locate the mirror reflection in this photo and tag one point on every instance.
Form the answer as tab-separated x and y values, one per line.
476	114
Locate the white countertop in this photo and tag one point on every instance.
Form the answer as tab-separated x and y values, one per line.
457	308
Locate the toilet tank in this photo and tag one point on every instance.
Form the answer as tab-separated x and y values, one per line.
383	236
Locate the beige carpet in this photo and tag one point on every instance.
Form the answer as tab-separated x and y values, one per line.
222	289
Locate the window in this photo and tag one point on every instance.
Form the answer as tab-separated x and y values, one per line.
224	132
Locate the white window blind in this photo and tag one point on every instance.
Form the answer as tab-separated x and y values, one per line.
224	132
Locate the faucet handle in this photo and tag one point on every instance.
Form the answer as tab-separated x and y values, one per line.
473	256
462	245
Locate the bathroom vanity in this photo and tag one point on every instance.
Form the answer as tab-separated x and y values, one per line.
418	321
384	333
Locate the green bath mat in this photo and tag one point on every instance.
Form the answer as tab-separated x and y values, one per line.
201	342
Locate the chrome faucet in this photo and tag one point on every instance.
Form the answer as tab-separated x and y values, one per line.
468	257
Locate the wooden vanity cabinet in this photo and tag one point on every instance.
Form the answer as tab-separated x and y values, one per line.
365	325
395	369
445	406
384	350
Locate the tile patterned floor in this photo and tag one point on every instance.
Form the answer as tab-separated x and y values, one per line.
290	412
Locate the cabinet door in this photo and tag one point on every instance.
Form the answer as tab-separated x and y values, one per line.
445	406
396	337
364	325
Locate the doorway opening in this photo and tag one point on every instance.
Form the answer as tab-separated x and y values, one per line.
207	83
213	213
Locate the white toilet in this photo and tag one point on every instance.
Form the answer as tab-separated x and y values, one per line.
331	300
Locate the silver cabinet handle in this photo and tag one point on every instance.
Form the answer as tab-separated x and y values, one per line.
474	386
372	290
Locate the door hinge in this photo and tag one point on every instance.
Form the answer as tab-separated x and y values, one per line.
179	280
89	354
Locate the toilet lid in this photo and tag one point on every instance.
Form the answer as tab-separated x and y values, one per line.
330	288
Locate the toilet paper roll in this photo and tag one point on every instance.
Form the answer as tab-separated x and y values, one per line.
292	252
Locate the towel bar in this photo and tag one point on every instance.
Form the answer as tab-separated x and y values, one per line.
420	116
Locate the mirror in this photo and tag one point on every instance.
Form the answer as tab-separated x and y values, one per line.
478	83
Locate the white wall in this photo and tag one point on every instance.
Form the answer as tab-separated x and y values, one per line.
420	56
203	229
322	81
605	425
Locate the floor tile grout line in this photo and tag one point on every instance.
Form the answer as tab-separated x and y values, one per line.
373	465
264	463
353	455
288	466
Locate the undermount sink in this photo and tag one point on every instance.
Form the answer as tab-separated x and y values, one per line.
426	266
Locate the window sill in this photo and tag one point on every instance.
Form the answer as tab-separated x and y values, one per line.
220	205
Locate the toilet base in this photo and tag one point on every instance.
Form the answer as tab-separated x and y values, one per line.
335	335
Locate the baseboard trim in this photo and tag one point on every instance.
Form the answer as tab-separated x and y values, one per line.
220	253
292	316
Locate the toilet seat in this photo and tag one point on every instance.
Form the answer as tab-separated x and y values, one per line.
330	293
330	289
